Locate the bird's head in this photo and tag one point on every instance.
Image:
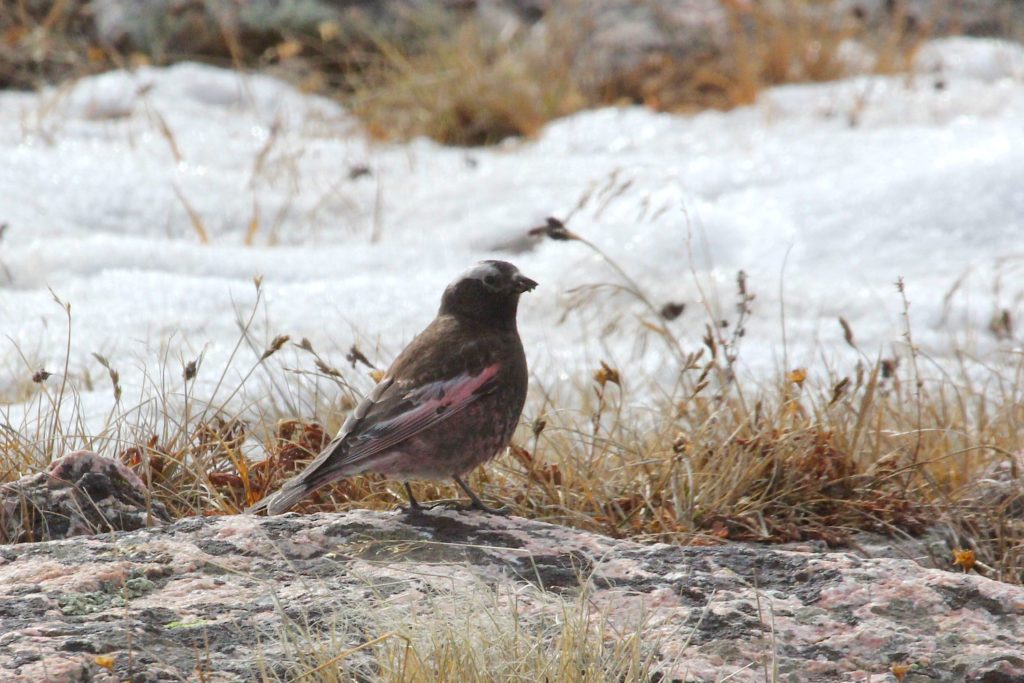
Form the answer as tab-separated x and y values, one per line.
487	293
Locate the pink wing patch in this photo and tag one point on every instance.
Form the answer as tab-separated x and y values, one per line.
418	409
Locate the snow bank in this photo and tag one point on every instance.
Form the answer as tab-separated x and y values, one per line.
823	194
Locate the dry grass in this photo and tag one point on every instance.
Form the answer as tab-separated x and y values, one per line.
770	43
465	89
482	634
469	88
44	42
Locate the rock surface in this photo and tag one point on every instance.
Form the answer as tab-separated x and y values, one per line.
214	599
80	494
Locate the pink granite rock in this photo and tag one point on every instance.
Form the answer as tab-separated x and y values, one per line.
209	599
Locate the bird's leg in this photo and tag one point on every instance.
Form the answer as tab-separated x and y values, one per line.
477	503
414	506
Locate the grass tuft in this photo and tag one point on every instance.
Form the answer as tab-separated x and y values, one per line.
482	633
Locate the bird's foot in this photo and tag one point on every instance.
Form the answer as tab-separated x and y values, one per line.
415	507
455	504
477	504
414	510
447	503
502	511
463	506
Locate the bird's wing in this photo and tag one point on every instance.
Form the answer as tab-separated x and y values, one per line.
402	412
394	411
391	413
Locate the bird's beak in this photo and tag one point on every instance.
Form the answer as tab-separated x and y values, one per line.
521	284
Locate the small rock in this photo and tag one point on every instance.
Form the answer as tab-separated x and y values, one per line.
80	494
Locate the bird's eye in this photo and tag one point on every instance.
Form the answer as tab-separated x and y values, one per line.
490	280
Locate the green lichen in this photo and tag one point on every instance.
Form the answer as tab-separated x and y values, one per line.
108	596
187	623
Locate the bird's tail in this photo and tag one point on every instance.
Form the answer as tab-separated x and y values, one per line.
317	473
291	493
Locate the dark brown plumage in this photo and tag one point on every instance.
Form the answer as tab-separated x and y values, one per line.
449	402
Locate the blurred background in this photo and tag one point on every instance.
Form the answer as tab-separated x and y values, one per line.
474	72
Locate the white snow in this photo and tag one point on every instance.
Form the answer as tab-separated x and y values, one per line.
824	194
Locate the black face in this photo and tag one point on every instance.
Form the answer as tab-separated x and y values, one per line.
487	293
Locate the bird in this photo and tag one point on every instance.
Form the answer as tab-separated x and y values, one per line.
449	402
